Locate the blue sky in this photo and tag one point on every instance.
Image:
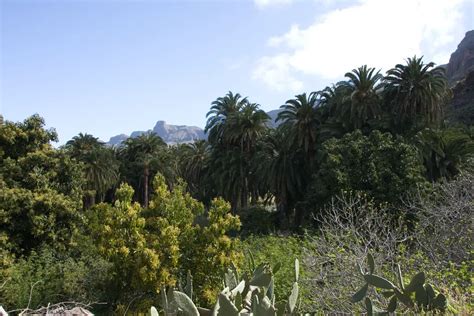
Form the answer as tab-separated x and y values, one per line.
107	67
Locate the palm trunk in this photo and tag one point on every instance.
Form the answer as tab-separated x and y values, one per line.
146	174
89	199
282	209
245	194
244	191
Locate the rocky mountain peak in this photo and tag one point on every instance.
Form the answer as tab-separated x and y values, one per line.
171	134
462	60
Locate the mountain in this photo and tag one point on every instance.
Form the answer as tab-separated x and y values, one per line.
461	62
171	134
273	115
460	73
463	101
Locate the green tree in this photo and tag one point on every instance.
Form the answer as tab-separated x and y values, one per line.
244	129
18	139
40	188
123	240
335	111
141	158
445	152
234	126
379	164
302	115
150	248
101	168
194	168
220	110
416	93
83	144
363	85
281	168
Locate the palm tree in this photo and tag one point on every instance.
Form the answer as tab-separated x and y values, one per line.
302	115
220	110
244	128
234	125
193	165
145	152
224	167
335	107
280	166
101	170
363	84
416	90
83	143
445	152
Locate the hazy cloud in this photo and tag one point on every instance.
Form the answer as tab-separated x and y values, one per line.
268	3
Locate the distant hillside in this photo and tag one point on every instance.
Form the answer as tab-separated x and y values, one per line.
171	134
273	115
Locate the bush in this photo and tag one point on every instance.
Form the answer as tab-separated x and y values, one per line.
383	166
50	276
258	220
284	250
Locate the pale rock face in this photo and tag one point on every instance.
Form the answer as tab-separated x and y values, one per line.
171	134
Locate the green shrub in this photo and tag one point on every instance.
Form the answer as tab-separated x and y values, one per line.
279	249
52	277
257	219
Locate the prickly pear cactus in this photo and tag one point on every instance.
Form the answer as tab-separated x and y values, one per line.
416	296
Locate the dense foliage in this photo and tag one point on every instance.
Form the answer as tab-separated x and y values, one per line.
368	163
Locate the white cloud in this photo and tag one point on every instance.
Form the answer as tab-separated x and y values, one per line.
268	3
276	72
379	33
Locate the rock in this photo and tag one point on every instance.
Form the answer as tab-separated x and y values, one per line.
117	140
461	107
462	60
178	133
171	134
273	116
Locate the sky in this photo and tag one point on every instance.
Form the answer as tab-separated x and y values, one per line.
107	67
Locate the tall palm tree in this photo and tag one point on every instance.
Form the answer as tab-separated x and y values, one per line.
281	167
302	115
243	130
145	152
364	85
101	169
234	125
220	110
416	90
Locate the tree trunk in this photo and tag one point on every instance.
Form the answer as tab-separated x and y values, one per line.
146	174
299	214
282	209
88	200
245	194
